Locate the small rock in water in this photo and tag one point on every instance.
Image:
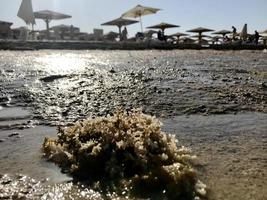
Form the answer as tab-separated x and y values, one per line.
264	85
52	78
112	71
13	134
2	140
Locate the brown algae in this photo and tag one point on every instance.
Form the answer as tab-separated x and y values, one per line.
128	150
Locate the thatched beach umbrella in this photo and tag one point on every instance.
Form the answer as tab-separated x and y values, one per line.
244	32
196	36
48	16
163	26
188	40
140	11
216	38
179	35
200	30
222	32
149	33
204	41
119	22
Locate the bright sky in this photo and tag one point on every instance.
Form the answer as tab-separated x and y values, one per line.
89	14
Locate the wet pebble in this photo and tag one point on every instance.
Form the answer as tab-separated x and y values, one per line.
6	182
112	71
226	80
13	134
264	85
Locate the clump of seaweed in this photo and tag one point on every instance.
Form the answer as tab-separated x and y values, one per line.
130	150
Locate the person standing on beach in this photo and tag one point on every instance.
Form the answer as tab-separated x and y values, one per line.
124	34
160	35
234	32
256	37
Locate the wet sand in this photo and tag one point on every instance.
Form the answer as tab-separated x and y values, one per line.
215	102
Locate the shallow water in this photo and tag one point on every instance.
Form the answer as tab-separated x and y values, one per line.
187	89
231	150
66	85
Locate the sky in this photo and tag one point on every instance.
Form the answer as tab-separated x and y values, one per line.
90	14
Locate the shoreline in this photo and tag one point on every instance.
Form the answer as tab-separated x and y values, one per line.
105	45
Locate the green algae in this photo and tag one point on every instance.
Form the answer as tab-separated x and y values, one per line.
126	150
259	73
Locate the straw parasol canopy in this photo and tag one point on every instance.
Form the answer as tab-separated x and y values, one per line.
200	30
149	33
196	36
204	41
222	32
163	26
216	38
140	11
119	22
188	40
48	16
244	32
178	35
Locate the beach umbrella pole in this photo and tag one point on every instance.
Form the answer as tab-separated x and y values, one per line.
141	23
47	29
120	33
32	31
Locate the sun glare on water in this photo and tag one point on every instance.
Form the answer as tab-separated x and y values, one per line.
62	63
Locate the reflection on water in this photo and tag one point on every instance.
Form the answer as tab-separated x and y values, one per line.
67	85
61	63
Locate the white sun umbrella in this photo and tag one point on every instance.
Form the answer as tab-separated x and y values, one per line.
140	11
26	12
48	16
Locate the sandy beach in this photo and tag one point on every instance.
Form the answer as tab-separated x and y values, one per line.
213	101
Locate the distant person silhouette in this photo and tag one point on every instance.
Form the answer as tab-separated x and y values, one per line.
124	34
234	32
160	35
256	37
